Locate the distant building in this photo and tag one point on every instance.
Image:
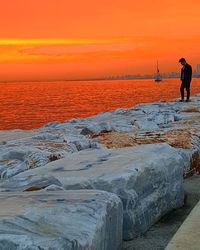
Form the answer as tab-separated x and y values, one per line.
198	69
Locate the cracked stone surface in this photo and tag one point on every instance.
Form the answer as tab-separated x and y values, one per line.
84	220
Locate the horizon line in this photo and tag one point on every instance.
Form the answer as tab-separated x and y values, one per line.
109	78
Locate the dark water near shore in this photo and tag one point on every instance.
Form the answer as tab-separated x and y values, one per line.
31	105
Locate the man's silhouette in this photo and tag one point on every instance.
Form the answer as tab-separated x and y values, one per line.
186	77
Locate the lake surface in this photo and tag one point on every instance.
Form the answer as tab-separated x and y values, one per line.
33	104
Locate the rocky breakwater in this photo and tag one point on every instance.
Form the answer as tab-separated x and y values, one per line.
137	157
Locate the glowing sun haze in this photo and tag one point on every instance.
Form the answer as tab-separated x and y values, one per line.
62	39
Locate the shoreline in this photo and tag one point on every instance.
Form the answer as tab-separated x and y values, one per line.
35	114
26	131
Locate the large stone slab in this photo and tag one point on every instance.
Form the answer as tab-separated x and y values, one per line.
64	220
148	180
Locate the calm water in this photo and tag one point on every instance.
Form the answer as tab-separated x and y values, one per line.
31	105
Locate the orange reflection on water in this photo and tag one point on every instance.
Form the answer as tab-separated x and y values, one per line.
31	105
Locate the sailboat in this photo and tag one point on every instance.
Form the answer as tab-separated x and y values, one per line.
158	77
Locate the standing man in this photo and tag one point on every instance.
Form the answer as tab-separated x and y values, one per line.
186	77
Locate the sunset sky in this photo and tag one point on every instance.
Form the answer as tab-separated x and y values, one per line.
62	39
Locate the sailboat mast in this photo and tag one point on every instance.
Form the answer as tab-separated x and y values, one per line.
158	76
157	68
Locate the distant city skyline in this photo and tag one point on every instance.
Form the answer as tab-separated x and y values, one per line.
196	73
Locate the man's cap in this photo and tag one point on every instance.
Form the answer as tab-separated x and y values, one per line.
182	59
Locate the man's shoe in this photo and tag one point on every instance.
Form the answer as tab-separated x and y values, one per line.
188	100
181	100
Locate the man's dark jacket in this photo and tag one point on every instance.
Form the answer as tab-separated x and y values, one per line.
186	73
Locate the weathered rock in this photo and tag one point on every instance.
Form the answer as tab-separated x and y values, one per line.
163	118
44	147
147	178
95	128
64	220
123	125
29	184
23	158
147	125
81	143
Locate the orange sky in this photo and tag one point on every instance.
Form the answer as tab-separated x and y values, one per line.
62	39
